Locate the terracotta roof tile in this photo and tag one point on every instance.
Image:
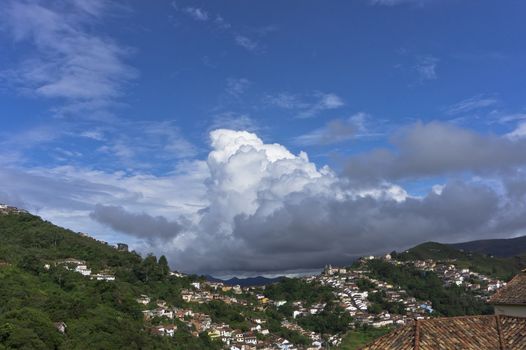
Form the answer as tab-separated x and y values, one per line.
513	332
514	293
457	333
466	333
400	339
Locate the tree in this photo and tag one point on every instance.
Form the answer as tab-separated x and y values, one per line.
28	328
163	266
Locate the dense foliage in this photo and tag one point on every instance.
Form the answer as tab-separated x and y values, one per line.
231	314
379	303
360	336
365	284
451	301
294	289
98	314
503	268
332	320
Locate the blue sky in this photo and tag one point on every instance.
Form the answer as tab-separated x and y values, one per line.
112	104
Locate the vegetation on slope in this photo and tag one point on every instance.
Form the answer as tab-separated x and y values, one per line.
361	336
294	289
426	285
503	268
98	314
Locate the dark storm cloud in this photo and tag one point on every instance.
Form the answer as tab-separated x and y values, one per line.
314	231
437	149
308	229
516	185
140	225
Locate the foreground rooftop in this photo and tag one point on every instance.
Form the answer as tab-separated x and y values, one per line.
455	333
514	293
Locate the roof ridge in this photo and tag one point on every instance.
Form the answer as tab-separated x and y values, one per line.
499	332
417	335
467	316
455	317
417	329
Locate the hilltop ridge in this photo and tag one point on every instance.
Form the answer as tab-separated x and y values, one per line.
501	267
504	247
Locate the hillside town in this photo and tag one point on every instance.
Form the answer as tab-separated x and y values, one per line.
504	329
353	290
237	317
483	286
353	297
257	336
368	300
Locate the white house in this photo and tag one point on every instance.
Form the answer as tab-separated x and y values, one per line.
83	270
144	299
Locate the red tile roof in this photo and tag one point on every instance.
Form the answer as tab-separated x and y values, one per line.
514	293
457	333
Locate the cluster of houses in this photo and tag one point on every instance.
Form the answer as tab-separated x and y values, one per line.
482	285
316	338
354	298
203	292
212	292
6	209
196	322
164	330
81	267
300	310
504	330
258	335
349	291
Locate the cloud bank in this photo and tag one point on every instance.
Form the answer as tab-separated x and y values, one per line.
439	149
141	225
255	207
268	209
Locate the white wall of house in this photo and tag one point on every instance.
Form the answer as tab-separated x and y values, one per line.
510	310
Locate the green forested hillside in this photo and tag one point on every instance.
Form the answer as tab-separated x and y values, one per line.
425	285
503	268
98	314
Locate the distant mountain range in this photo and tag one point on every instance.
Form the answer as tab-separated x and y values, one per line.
246	282
505	251
503	248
